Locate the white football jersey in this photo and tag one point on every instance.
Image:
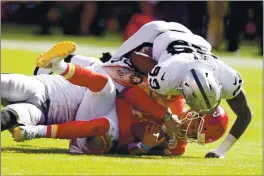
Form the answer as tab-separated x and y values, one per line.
170	43
228	77
144	38
166	77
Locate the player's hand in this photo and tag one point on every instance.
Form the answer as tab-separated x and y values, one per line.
151	136
214	154
173	126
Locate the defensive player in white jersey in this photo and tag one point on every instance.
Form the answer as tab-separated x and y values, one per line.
185	66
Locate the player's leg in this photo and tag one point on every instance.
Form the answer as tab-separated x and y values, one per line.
71	58
97	104
56	54
76	129
81	60
100	97
8	120
20	88
102	133
66	130
98	144
75	74
21	114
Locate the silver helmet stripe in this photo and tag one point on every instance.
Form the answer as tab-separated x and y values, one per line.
201	88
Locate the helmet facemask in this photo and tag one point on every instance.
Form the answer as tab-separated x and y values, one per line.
186	122
205	128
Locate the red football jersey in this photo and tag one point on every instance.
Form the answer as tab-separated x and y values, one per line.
132	124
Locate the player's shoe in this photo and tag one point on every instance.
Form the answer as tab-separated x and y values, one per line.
23	133
55	54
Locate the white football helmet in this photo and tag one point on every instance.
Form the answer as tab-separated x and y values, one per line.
201	89
194	79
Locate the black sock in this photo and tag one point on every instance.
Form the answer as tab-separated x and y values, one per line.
68	58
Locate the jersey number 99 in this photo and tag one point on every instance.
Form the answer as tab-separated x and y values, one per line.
153	82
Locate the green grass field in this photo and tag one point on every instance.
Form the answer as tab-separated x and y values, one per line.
50	157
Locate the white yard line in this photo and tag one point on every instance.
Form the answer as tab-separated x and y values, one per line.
90	50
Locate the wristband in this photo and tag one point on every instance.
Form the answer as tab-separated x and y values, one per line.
167	117
145	148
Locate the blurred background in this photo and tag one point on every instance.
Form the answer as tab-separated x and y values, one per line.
232	27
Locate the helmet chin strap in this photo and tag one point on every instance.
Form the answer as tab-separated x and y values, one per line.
201	136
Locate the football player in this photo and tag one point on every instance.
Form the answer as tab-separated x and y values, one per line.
54	59
137	135
185	66
44	99
81	74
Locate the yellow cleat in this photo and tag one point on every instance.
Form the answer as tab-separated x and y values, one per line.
22	133
17	134
57	52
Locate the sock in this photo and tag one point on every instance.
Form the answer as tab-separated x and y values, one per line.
76	129
42	130
85	77
139	99
60	67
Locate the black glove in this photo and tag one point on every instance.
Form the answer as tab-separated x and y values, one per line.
106	57
211	155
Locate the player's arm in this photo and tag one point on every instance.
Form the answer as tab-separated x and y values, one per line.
150	138
139	99
143	37
146	35
137	148
240	107
142	62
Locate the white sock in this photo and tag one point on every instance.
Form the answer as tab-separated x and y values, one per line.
42	130
60	67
